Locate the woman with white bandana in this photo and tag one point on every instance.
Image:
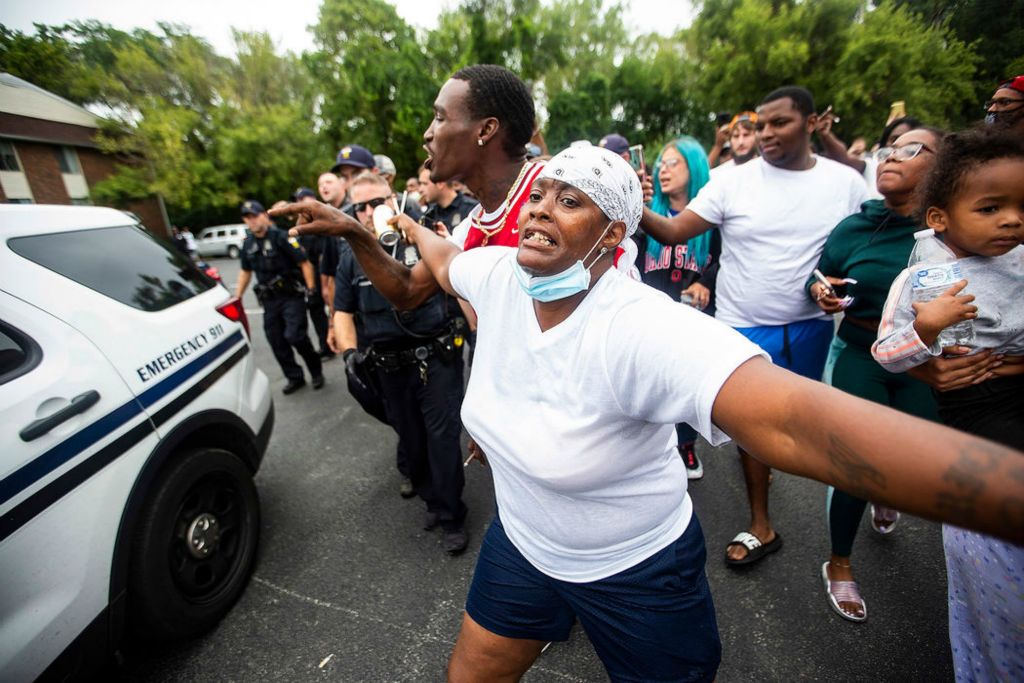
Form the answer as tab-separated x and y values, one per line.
580	374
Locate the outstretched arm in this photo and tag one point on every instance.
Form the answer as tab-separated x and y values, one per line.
404	287
873	452
675	230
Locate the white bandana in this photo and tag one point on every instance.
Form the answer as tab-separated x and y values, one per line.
610	182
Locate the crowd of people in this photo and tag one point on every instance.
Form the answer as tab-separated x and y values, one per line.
623	310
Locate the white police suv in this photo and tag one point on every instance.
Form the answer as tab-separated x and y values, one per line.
132	421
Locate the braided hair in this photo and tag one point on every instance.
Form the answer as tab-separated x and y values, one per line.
496	92
961	153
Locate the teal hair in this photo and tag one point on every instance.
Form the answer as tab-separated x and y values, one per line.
700	172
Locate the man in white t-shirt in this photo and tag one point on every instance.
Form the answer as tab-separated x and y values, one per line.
742	141
774	213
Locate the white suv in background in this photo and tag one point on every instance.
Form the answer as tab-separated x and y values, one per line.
221	240
132	422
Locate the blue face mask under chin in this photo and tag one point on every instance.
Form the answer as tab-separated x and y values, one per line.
572	280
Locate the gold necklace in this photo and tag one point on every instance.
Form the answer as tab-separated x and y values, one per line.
488	234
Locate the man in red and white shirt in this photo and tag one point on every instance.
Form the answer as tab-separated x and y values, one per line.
483	118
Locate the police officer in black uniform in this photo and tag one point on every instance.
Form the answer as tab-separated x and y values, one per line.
284	279
316	247
444	204
448	207
411	358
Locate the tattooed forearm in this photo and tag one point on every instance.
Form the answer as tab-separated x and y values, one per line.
967	483
1012	511
851	472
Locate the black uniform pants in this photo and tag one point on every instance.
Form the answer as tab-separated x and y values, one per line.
284	321
426	418
318	316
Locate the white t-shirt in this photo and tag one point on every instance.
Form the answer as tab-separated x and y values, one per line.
871	176
578	422
774	224
724	166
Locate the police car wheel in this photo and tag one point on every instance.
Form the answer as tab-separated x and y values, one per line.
233	251
195	545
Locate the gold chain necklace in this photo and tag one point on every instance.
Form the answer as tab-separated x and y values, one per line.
488	234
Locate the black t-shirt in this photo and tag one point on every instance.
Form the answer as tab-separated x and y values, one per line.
275	254
377	321
676	270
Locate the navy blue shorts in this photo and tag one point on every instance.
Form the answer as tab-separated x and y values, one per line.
800	347
652	622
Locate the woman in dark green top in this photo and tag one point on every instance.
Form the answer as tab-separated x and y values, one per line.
871	247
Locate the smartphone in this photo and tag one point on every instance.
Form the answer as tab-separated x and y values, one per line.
829	287
636	158
897	110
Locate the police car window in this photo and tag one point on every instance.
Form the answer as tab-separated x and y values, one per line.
18	353
125	263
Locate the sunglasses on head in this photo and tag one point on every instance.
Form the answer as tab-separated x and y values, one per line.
372	203
904	153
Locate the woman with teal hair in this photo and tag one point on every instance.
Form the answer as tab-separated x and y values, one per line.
683	271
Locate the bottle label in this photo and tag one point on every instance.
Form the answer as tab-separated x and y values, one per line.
943	275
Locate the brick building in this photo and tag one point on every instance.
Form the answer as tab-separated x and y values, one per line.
48	154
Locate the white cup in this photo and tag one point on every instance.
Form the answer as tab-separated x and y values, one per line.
386	234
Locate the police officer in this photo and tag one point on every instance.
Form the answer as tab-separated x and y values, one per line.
284	280
411	357
444	204
316	247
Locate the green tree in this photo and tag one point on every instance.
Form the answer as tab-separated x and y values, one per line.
202	130
852	55
371	76
994	28
747	48
890	56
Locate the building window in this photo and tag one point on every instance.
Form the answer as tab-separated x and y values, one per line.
67	159
20	200
8	157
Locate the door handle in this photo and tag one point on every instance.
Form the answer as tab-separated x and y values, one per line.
79	404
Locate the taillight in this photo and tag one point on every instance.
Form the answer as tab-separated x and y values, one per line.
212	272
233	310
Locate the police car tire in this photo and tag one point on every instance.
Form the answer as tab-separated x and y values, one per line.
233	251
167	596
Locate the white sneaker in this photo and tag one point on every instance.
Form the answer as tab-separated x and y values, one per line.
694	468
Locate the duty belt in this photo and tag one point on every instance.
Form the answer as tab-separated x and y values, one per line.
391	360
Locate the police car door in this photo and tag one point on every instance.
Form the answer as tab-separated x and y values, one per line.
65	413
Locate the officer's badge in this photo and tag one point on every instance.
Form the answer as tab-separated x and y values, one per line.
294	242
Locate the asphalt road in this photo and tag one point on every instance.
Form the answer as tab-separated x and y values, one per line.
349	588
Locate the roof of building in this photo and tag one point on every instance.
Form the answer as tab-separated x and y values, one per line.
21	98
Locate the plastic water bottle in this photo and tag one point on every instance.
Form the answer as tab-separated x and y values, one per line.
933	270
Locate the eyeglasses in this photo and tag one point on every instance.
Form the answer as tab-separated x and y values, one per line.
670	163
904	153
1002	102
358	207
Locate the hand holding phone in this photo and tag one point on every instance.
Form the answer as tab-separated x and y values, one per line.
829	289
636	159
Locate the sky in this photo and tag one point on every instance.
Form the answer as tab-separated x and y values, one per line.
286	22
